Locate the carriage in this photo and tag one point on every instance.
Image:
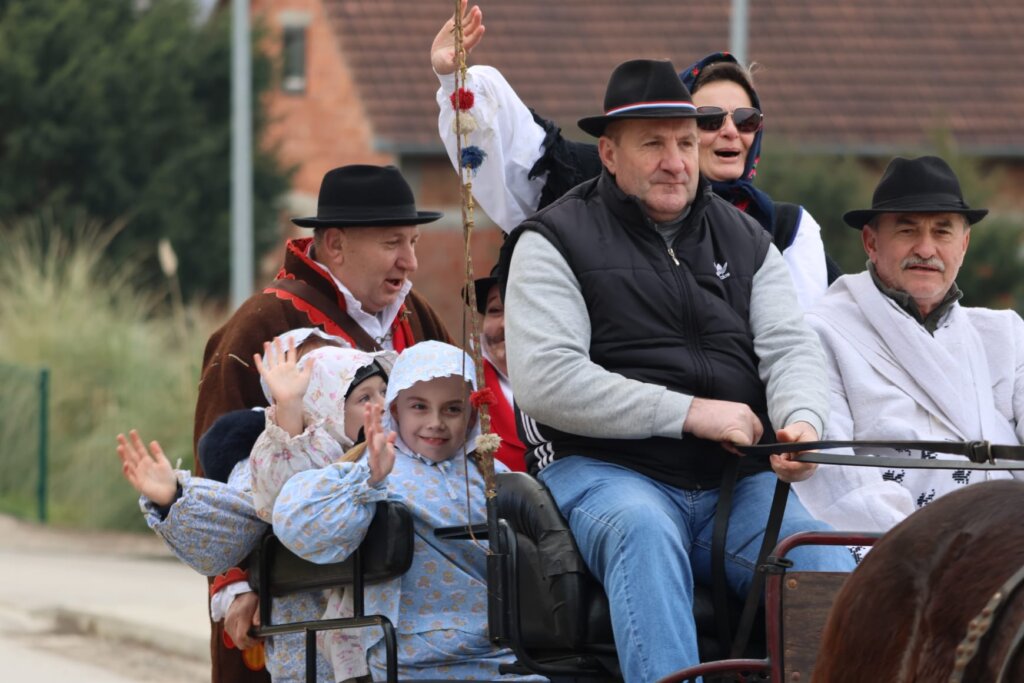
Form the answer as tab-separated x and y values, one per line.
546	607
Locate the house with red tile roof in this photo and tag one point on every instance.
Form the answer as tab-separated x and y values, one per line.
871	78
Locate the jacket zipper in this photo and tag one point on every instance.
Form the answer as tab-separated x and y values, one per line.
705	370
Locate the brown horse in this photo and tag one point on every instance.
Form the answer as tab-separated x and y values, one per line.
903	613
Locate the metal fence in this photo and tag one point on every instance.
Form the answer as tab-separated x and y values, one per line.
24	436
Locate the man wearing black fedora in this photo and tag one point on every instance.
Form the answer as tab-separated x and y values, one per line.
350	279
905	359
651	328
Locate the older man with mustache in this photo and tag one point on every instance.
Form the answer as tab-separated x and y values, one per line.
905	360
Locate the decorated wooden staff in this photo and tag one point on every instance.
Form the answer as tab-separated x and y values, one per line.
470	159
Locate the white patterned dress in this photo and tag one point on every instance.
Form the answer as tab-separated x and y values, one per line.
212	527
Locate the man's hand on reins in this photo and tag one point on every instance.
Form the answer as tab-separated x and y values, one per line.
786	468
727	422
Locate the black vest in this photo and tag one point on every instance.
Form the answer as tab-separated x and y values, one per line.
678	319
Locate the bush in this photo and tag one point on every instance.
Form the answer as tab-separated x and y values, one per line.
990	275
117	356
123	109
827	186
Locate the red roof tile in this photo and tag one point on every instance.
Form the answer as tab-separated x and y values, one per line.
861	75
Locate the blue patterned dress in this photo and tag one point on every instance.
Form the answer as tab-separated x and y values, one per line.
438	607
213	527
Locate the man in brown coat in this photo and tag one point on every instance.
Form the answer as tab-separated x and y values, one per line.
351	280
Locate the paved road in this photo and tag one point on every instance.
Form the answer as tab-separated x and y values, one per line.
24	664
86	606
33	651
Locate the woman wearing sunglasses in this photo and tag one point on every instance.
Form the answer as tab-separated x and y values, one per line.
522	163
730	148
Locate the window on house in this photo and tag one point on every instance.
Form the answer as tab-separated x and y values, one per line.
293	77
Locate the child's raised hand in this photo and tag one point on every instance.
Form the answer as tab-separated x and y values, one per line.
150	473
281	371
380	446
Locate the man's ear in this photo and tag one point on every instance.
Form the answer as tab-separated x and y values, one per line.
869	238
332	247
606	149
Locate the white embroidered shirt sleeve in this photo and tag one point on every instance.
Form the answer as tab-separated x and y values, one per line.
509	138
806	260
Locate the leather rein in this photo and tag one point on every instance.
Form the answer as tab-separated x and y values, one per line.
981	456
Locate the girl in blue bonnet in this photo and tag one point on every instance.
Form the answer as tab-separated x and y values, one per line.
417	455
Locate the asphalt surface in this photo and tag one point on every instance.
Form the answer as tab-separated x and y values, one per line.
98	606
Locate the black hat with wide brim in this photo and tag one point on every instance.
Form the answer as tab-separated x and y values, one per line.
922	185
361	195
482	285
645	89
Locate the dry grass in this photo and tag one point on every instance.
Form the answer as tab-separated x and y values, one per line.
118	357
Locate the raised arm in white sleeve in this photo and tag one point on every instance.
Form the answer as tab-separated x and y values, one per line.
508	136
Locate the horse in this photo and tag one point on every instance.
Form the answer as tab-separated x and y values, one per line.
905	613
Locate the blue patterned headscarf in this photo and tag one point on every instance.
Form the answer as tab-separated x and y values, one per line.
759	205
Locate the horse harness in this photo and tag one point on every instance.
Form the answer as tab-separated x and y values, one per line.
981	625
982	456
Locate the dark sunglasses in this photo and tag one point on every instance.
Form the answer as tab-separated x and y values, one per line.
746	119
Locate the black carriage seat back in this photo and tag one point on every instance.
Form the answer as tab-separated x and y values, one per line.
385	553
561	608
565	607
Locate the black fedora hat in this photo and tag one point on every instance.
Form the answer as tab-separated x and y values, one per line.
482	285
644	89
922	185
365	196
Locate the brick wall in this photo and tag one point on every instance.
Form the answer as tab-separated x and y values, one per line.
326	126
441	271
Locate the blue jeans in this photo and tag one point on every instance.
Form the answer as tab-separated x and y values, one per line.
648	542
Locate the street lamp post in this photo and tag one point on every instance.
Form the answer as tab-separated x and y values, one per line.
738	31
241	155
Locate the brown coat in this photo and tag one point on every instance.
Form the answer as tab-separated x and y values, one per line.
230	381
229	378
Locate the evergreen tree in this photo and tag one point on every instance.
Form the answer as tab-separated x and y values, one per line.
121	109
